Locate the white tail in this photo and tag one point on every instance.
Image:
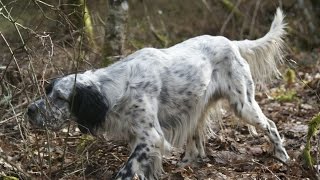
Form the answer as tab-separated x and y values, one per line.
265	53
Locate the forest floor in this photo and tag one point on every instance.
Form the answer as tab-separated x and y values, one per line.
232	153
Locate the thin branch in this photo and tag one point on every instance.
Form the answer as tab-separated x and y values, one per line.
234	10
255	12
12	55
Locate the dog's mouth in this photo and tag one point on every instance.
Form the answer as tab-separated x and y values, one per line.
41	123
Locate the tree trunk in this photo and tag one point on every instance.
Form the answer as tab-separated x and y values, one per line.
115	30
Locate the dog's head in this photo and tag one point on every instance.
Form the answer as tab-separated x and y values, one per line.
67	98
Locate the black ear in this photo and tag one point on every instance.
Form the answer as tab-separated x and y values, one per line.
89	107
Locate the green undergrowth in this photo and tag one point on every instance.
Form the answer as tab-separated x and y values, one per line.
312	132
287	93
85	140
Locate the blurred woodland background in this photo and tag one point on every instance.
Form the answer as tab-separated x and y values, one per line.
41	40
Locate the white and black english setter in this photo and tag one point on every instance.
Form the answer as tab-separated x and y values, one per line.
157	99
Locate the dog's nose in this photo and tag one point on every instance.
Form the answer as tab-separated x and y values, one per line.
32	109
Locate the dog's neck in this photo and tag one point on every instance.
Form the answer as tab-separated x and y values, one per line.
110	82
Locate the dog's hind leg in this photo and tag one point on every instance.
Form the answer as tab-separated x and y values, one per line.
241	99
195	151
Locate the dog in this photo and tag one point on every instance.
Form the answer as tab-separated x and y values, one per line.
157	99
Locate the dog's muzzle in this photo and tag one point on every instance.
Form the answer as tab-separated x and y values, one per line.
33	112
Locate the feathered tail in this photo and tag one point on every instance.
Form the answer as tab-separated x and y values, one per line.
265	53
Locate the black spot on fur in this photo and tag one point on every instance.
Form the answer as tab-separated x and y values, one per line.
137	151
269	132
238	91
249	83
189	93
274	133
89	107
135	106
155	89
181	92
217	63
139	85
141	146
128	171
181	75
229	74
146	85
146	133
249	97
142	156
214	71
164	94
127	113
151	125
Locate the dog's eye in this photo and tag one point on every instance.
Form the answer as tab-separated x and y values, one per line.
59	96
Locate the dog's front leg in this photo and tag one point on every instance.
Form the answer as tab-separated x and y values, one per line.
145	159
147	142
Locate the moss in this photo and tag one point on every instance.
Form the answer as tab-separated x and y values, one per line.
312	131
9	178
290	76
85	140
286	96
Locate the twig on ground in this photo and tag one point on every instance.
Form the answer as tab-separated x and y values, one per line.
17	167
265	167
